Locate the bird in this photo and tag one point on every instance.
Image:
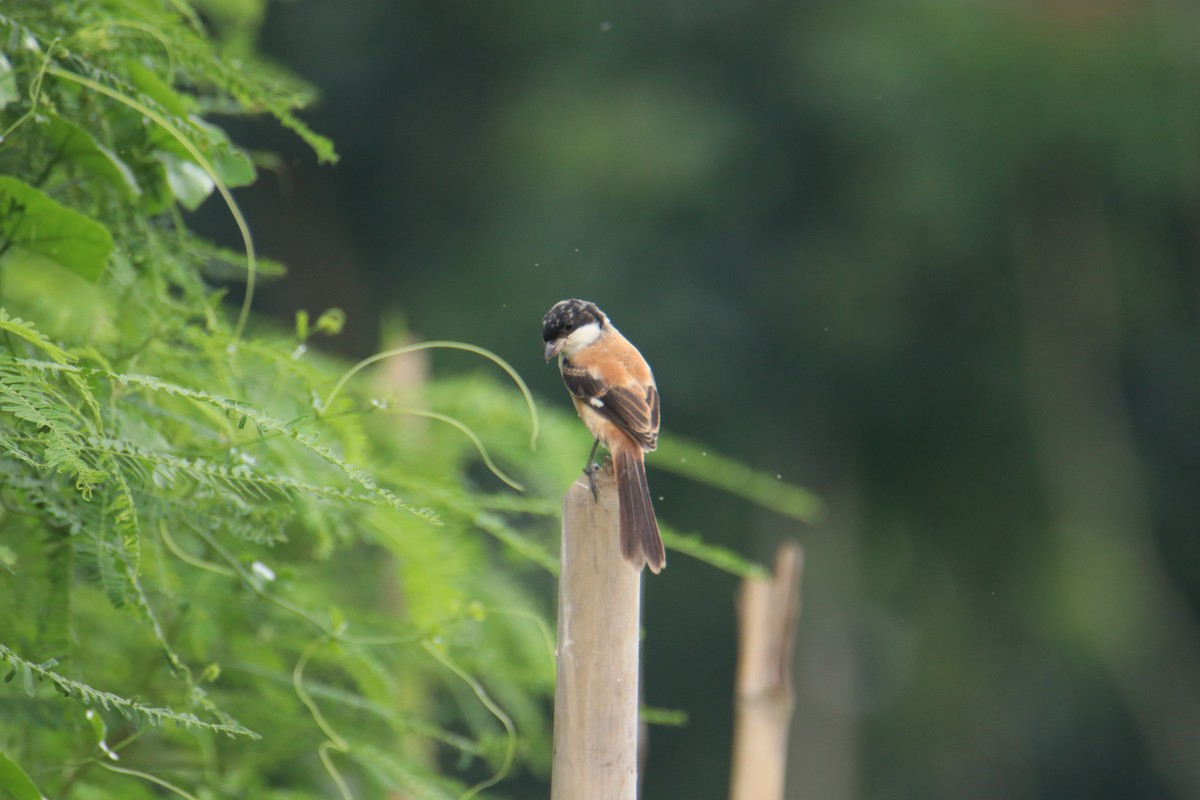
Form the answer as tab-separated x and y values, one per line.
614	393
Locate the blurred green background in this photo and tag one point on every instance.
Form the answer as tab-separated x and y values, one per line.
934	260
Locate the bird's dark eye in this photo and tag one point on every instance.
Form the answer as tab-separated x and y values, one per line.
570	326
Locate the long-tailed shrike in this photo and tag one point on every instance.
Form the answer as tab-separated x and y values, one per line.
613	390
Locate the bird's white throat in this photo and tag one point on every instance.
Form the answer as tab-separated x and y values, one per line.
580	338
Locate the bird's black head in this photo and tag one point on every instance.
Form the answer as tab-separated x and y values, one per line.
567	315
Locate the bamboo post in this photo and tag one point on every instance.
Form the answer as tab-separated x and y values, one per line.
767	613
596	695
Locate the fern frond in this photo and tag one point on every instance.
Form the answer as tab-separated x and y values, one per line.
9	445
243	413
196	693
266	423
722	558
270	91
258	525
769	491
30	398
137	713
165	471
29	333
96	548
519	542
122	510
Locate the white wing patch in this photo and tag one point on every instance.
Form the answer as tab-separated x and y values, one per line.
596	401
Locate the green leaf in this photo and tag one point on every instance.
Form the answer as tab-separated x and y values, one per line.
8	83
8	559
155	88
100	729
15	782
77	146
232	164
33	222
190	184
235	167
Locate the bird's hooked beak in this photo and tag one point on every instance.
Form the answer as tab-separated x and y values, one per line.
553	347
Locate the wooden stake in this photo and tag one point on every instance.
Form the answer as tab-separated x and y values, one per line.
767	613
596	696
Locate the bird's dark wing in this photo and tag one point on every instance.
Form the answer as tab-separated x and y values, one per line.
632	409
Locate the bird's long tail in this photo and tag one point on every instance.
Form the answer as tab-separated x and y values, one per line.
640	540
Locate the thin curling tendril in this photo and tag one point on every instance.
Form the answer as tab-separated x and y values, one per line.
447	345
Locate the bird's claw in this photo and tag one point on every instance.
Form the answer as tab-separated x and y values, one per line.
590	470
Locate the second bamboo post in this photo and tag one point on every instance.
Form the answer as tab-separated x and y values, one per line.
767	612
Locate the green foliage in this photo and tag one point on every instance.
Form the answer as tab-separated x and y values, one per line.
193	544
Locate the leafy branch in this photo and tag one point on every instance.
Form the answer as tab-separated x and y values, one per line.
132	710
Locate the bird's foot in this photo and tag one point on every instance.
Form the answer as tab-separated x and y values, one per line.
590	470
